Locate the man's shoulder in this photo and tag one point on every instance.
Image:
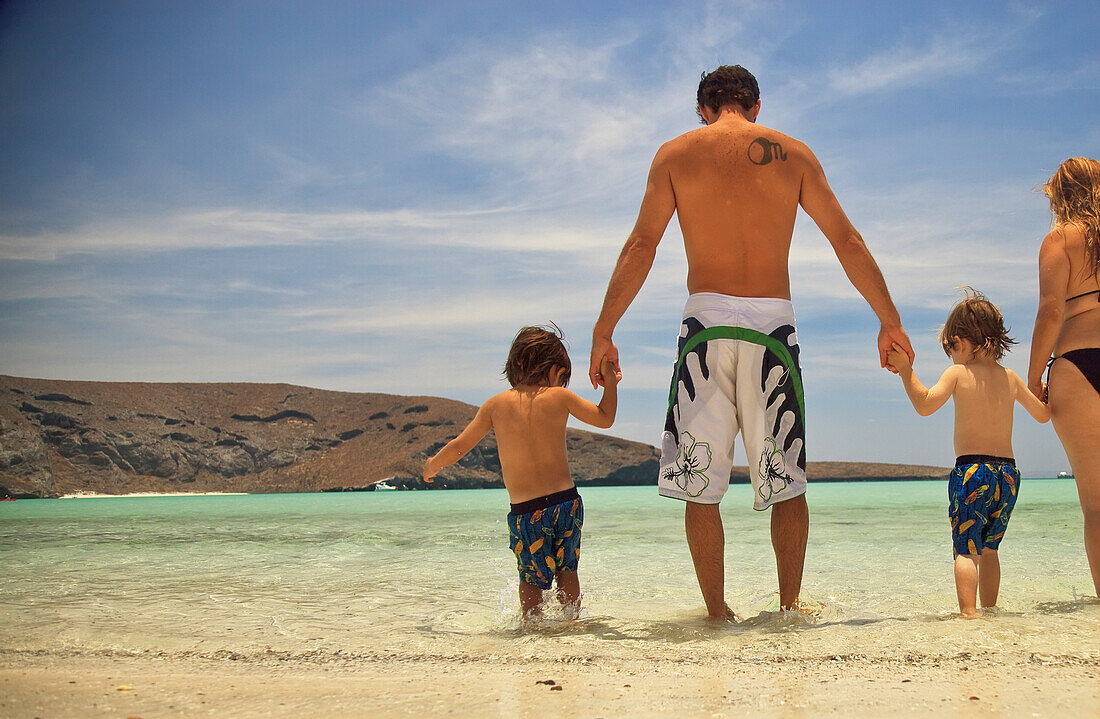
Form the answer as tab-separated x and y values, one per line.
789	143
692	139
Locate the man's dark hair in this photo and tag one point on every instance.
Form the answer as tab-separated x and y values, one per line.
535	352
727	85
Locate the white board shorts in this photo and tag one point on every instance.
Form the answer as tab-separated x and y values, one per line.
736	371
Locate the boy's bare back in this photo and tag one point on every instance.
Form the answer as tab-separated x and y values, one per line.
984	395
529	423
983	392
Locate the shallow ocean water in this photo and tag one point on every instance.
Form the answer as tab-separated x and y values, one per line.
430	574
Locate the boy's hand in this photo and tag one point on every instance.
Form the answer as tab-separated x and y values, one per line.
898	358
609	373
429	471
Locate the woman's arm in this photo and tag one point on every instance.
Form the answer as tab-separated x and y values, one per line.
1054	273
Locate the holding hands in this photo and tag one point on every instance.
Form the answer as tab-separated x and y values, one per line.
604	364
893	341
897	359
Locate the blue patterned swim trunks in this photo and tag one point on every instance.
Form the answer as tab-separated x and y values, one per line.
982	490
545	535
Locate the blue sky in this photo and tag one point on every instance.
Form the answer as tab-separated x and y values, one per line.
374	196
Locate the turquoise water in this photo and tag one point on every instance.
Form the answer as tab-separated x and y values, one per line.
430	573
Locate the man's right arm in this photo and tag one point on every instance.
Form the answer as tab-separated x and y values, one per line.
634	264
819	202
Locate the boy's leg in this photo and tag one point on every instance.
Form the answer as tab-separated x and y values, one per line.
707	542
790	528
989	577
966	584
530	599
569	592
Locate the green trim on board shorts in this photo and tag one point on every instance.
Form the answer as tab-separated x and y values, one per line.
744	335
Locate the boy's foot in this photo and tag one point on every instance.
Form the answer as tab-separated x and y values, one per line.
808	607
970	614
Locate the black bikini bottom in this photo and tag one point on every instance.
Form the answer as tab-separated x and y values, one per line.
1088	361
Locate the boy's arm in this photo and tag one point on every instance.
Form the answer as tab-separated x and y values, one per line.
602	415
925	400
457	448
1034	406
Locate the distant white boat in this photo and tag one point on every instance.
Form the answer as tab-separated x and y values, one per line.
1065	475
382	486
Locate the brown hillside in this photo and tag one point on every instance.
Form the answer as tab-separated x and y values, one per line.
61	437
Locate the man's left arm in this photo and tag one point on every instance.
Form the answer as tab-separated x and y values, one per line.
632	268
819	202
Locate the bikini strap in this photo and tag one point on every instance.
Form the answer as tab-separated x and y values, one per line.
1085	294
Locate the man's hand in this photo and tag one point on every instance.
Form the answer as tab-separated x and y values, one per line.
429	471
888	339
897	359
604	352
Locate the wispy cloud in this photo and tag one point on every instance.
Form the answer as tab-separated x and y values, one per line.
220	228
938	58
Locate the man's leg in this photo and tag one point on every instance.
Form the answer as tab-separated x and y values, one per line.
707	543
790	528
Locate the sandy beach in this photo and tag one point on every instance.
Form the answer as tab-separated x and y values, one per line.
333	685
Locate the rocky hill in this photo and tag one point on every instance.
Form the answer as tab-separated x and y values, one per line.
61	437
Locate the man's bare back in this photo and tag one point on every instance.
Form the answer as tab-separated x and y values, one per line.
737	187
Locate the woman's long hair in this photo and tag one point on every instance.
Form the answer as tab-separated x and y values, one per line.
1074	193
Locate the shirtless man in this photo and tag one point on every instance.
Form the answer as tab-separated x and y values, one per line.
736	187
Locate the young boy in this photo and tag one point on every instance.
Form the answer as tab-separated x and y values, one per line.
983	486
544	525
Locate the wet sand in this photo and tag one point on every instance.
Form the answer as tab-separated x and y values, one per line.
332	685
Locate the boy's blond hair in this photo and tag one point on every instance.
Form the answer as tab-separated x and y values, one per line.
977	320
535	352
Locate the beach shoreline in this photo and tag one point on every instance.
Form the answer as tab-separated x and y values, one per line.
102	495
34	684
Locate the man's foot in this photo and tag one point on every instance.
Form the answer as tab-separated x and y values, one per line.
970	614
727	617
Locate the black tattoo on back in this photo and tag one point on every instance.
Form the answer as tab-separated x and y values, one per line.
762	151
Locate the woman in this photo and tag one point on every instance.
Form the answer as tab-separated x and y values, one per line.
1067	326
